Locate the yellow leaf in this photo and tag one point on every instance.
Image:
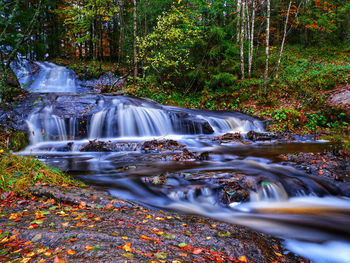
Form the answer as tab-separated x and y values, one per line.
25	260
71	252
39	215
243	259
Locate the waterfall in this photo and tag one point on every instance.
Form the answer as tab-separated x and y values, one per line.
45	77
231	124
43	125
116	117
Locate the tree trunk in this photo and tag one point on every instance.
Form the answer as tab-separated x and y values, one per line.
239	8
121	35
251	44
284	39
135	43
266	75
242	38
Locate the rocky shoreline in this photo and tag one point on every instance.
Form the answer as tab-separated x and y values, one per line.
77	224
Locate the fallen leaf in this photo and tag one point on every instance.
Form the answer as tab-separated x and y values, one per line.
160	255
71	252
128	255
39	215
145	237
59	260
88	248
197	251
182	245
127	247
82	205
243	259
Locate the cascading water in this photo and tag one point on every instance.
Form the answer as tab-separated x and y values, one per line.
46	77
283	201
125	117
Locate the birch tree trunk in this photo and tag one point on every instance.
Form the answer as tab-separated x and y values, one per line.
238	11
251	44
284	39
266	75
242	37
247	33
121	35
135	42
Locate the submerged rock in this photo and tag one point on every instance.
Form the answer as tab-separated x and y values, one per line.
258	136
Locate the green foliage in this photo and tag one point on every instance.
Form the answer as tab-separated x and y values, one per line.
81	17
165	52
18	173
86	69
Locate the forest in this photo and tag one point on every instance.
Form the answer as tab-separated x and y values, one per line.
174	130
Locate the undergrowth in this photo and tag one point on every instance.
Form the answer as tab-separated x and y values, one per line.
18	173
86	70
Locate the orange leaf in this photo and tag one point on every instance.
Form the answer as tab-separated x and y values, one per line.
73	239
82	205
59	260
32	226
39	215
127	247
71	252
88	248
145	237
197	251
243	259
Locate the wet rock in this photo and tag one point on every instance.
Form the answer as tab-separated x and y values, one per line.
98	146
341	97
162	145
230	137
329	165
257	136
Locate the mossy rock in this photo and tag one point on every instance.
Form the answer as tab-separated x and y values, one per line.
13	140
12	87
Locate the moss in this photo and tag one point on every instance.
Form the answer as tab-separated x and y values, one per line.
10	87
18	173
13	140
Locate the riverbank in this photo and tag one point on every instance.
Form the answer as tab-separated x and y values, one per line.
50	223
79	224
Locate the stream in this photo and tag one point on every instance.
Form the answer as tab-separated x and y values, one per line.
190	171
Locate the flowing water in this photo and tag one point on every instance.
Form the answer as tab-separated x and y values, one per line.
46	77
311	214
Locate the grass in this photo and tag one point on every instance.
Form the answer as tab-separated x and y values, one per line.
18	173
13	140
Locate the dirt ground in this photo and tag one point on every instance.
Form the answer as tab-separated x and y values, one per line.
67	224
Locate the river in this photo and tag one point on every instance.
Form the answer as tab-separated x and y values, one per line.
191	170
